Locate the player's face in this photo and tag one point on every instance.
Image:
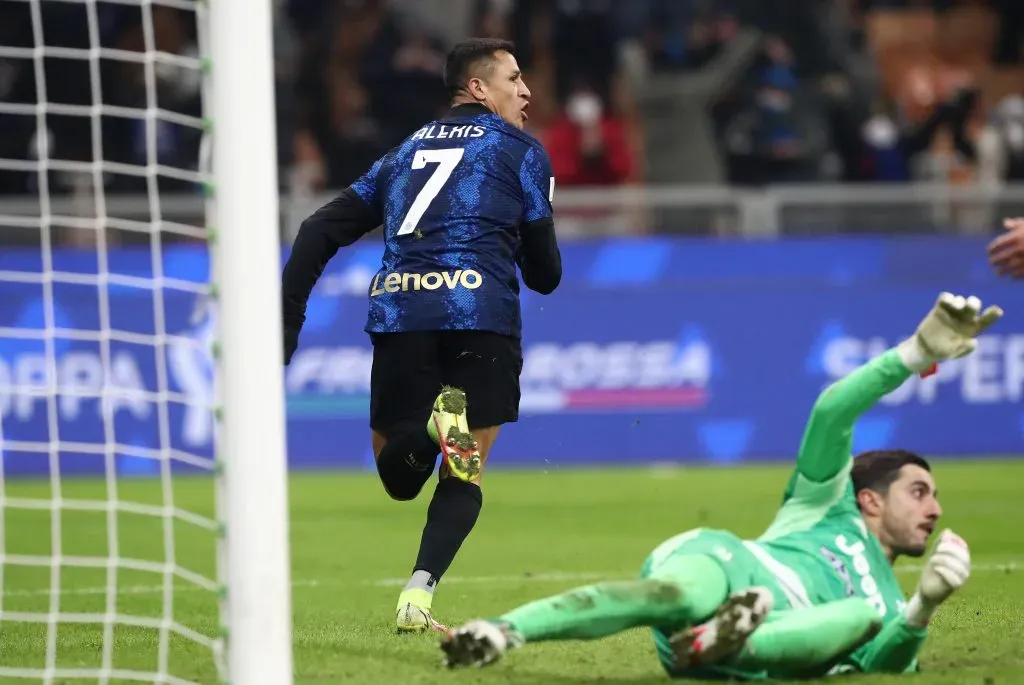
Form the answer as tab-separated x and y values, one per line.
911	512
504	92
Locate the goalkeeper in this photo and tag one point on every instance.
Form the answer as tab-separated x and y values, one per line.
816	593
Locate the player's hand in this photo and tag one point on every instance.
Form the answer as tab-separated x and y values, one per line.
1006	253
950	329
945	572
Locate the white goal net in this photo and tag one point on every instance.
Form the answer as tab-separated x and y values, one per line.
123	555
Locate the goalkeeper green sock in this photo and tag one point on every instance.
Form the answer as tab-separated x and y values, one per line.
687	590
809	641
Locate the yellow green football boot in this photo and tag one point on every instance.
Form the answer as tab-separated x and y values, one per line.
449	427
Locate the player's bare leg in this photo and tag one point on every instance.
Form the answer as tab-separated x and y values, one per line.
377	441
485	438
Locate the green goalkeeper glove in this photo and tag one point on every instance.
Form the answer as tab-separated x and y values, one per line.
949	331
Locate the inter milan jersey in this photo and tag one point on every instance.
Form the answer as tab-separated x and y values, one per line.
454	197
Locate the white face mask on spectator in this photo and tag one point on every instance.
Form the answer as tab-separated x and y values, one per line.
880	131
584	109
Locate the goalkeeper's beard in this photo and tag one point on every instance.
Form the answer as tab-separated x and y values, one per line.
904	538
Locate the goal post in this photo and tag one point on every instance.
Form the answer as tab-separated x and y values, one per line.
144	531
246	246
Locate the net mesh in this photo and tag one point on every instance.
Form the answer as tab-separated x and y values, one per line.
110	545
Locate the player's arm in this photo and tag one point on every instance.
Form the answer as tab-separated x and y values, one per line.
947	332
895	648
538	256
340	222
828	438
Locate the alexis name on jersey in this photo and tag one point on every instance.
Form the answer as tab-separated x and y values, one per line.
448	132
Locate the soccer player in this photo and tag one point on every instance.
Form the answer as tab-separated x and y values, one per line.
816	593
463	201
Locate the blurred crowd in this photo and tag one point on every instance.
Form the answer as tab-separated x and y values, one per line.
646	91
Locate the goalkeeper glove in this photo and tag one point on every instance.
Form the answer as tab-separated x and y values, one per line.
949	331
946	570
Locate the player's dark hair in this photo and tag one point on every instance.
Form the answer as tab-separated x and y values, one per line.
465	56
878	469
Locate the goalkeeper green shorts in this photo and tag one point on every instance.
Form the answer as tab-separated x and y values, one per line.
742	570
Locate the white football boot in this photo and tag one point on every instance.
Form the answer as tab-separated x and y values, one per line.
724	635
478	643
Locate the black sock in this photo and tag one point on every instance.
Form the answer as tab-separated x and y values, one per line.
407	462
452	513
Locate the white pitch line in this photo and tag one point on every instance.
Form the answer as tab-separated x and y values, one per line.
552	577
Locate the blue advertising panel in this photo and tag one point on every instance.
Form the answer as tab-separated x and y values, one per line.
651	350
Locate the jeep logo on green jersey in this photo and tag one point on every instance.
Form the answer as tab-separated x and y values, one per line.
862	567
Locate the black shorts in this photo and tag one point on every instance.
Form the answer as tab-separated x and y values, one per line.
410	368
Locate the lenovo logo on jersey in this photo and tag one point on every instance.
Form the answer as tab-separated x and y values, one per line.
394	282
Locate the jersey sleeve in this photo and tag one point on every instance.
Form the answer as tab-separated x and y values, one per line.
821	479
538	182
356	211
894	650
366	187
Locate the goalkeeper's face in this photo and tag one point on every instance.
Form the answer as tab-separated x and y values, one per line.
909	512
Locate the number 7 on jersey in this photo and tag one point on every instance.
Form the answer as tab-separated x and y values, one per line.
446	160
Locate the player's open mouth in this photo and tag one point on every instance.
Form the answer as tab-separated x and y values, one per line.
928	529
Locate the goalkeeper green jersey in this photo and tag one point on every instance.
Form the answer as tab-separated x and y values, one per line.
821	553
818	547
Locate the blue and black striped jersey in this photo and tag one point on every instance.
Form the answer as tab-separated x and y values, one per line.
453	198
463	201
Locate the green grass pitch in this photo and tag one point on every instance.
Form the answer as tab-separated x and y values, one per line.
541	532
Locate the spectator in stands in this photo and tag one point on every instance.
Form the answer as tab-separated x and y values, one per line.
890	146
492	19
1001	143
15	31
583	42
778	135
342	140
937	5
588	143
676	36
1009	48
885	154
402	69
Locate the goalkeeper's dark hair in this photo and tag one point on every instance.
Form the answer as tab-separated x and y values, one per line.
469	56
878	469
